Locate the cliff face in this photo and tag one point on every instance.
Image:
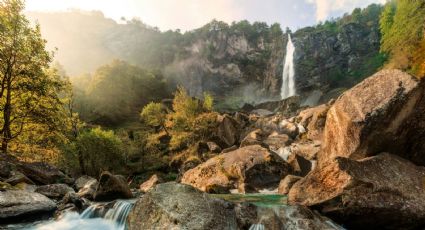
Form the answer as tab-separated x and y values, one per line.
324	62
241	62
228	63
327	60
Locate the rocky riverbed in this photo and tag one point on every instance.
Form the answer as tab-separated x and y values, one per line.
355	162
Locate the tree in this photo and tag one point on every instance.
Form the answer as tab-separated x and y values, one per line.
101	150
29	93
155	115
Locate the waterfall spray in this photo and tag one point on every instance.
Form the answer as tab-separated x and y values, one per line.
288	82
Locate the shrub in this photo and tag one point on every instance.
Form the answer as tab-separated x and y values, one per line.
96	150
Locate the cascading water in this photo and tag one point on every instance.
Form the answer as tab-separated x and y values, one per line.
288	82
91	219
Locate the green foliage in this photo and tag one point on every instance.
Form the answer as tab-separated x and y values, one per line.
154	114
402	28
30	102
117	91
94	151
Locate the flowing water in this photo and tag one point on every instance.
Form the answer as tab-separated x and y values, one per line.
288	81
90	219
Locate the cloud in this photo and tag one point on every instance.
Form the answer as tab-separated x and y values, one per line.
324	8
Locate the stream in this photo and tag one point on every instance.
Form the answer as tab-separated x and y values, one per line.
103	216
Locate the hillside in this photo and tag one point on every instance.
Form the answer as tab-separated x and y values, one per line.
241	61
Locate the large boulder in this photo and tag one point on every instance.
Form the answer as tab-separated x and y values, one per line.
178	206
56	191
384	113
112	187
377	192
17	205
44	173
248	168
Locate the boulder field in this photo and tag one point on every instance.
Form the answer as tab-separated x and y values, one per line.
179	206
370	170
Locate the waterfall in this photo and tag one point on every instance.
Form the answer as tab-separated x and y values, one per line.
95	217
118	214
288	82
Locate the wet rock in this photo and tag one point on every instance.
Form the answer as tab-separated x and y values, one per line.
149	184
253	166
383	191
17	205
286	184
55	191
179	206
384	113
112	187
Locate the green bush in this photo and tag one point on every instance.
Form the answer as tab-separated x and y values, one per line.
94	151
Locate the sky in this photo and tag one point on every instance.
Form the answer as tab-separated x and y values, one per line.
191	14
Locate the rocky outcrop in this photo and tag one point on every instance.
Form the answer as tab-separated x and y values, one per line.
377	192
44	173
55	191
248	169
17	205
111	187
149	184
178	206
384	113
